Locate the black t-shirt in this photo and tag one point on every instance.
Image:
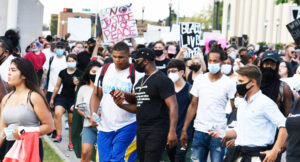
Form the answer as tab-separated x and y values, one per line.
293	129
162	65
152	112
68	89
83	60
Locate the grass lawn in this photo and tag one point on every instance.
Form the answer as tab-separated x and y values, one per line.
49	154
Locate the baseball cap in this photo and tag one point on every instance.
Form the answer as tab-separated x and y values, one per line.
60	44
91	40
145	53
270	55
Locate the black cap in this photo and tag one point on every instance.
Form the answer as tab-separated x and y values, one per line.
270	55
60	44
145	53
91	40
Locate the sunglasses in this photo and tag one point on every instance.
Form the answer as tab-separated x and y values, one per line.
136	60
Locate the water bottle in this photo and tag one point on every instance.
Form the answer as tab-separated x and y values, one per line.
96	118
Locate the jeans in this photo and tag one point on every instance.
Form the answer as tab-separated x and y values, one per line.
204	143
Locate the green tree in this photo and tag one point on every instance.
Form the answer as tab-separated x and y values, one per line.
287	1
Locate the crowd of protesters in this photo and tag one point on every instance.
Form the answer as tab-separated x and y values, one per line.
137	101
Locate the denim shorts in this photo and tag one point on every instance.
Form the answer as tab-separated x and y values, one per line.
89	135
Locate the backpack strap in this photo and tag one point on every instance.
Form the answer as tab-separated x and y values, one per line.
132	75
101	77
48	74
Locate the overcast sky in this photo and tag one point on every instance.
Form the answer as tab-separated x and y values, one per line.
154	9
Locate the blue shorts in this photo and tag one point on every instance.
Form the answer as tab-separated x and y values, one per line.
89	135
118	146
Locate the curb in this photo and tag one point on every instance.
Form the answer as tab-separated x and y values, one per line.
56	149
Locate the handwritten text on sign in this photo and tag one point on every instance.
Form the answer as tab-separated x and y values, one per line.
118	23
190	37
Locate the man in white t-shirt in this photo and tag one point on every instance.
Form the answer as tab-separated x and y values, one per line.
211	92
117	127
52	67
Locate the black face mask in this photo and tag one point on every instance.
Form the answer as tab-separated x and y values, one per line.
93	77
241	88
269	74
195	67
158	52
139	67
171	56
91	49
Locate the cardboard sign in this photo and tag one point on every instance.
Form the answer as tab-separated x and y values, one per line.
79	28
190	37
294	29
118	23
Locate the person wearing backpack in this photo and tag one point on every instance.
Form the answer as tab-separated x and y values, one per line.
51	70
117	127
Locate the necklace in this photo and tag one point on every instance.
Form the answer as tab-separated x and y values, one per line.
143	82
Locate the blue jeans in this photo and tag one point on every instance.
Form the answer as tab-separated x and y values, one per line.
117	146
204	143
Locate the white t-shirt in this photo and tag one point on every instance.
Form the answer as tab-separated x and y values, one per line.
112	116
4	68
48	53
83	97
57	65
212	100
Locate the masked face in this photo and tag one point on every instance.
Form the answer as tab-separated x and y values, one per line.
174	76
140	67
242	88
158	52
71	65
226	69
269	73
59	51
214	68
195	67
92	77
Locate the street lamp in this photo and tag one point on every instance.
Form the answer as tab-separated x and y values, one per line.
277	27
63	26
266	25
217	14
170	16
143	10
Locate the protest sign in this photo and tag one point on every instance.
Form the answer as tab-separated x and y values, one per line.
79	28
294	29
190	37
118	23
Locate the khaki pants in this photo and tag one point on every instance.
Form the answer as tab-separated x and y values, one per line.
253	159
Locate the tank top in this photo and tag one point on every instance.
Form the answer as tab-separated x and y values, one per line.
19	115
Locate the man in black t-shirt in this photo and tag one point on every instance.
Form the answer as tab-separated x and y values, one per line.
156	108
161	61
85	56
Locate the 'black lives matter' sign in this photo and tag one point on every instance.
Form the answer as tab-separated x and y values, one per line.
190	37
294	29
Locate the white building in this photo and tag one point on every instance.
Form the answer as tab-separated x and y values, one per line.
261	20
24	15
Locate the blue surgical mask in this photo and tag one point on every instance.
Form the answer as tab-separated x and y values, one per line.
59	52
35	49
214	68
71	65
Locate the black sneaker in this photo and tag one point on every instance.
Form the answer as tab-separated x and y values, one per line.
54	134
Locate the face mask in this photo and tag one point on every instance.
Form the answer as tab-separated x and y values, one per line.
140	67
171	56
59	52
241	88
93	77
71	65
214	68
34	50
195	67
226	69
269	74
233	54
174	76
158	52
91	49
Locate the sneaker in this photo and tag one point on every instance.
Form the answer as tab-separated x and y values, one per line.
54	134
58	139
70	147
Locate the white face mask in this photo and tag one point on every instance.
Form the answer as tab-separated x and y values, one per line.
174	76
233	54
226	69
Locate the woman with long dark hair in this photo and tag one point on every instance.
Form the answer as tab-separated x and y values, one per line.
88	133
24	106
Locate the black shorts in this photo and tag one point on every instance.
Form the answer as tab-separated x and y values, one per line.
65	102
